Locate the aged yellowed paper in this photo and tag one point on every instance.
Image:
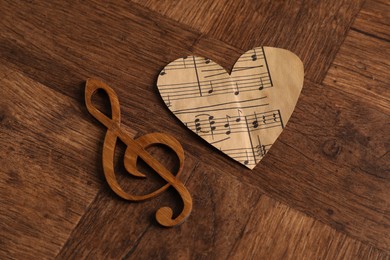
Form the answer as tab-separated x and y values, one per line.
241	114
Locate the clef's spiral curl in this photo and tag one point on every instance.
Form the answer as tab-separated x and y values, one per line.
136	148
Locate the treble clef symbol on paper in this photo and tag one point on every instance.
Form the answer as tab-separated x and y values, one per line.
136	148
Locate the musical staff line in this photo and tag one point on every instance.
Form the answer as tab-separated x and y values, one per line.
234	124
236	91
209	108
212	89
215	142
226	80
220	85
246	68
242	154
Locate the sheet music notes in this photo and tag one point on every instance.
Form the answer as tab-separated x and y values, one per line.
241	114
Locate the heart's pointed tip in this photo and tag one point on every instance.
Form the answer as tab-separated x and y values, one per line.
250	167
247	165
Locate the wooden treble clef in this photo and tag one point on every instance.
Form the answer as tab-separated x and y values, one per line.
136	148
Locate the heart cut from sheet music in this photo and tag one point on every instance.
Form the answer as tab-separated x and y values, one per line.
241	114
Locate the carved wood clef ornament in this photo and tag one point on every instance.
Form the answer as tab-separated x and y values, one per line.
136	149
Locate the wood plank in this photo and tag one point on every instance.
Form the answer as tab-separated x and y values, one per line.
362	68
59	45
222	206
112	226
360	71
276	231
373	19
312	30
45	183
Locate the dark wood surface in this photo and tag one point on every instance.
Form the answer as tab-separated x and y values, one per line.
322	191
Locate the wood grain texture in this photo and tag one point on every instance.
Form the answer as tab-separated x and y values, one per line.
362	65
273	226
251	227
118	42
328	172
374	20
218	220
311	29
112	226
45	184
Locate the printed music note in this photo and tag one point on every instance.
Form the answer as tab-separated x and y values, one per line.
239	112
274	115
255	122
261	84
247	158
241	154
136	149
260	148
212	125
254	56
255	76
227	125
197	125
237	90
232	124
184	62
211	90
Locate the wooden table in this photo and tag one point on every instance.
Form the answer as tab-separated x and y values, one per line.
322	191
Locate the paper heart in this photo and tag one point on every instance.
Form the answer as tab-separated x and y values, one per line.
241	114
